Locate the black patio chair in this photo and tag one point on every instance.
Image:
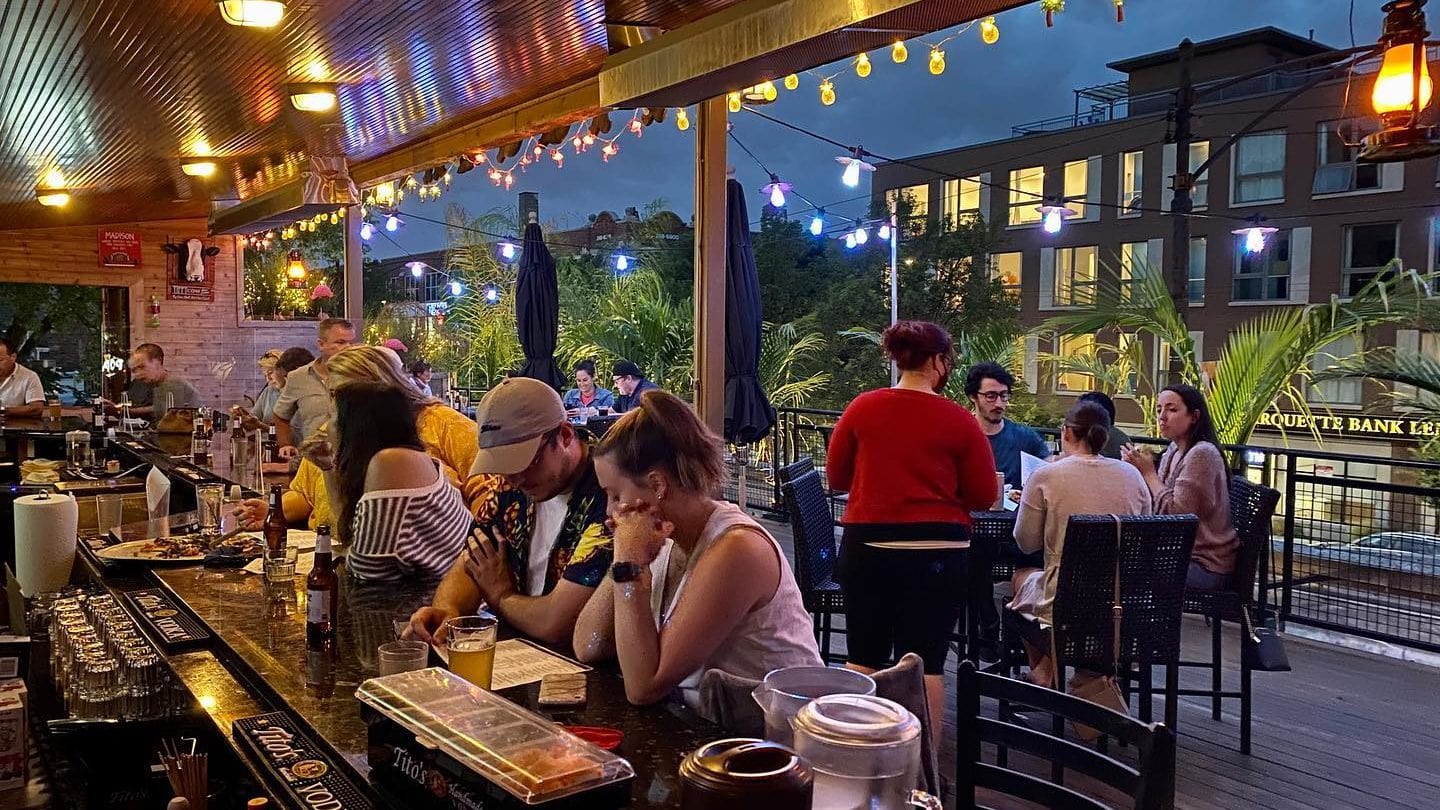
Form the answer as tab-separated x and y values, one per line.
1154	556
1251	508
813	528
1149	782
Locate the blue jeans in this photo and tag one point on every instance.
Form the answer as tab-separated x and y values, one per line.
1202	578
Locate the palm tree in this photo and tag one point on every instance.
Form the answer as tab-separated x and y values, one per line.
1265	362
1386	364
786	352
485	342
637	320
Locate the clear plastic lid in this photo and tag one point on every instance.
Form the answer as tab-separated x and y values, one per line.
525	754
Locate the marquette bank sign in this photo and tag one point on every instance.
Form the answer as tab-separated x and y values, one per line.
1358	426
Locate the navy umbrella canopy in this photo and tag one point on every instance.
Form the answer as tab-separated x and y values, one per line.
748	414
537	309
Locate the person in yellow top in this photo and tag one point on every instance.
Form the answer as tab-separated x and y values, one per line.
448	435
305	501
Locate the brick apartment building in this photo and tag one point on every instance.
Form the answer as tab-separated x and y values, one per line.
1340	222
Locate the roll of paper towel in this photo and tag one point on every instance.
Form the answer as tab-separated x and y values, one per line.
45	532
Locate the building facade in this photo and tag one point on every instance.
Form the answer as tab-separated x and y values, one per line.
1339	223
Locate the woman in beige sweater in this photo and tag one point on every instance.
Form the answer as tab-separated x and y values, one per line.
1192	479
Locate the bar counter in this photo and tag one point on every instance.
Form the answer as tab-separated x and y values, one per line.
256	661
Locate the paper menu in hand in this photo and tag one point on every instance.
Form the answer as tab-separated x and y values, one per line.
1028	465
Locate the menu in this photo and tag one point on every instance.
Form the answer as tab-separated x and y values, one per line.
518	662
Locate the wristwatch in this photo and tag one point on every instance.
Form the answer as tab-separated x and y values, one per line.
625	571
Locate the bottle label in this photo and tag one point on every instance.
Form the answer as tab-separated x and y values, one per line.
317	606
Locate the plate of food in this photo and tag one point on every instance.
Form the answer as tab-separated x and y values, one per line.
183	549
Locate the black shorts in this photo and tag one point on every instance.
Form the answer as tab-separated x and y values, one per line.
901	600
1031	630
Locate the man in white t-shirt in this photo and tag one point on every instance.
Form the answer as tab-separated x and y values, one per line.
546	513
21	393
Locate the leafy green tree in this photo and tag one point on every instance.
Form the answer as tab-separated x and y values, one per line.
32	316
635	319
483	342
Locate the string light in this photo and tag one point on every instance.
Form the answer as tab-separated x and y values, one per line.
509	180
392	223
636	128
682	119
827	92
862	235
609	150
417	269
767	89
732	101
850	240
862	65
898	52
792	81
455	287
507	251
884	232
854	163
1052	216
775	190
989	31
1255	234
937	60
366	231
559	158
490	293
817	222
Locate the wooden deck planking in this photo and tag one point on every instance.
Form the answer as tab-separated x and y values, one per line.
1344	729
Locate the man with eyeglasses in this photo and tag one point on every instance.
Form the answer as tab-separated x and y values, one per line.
550	547
988	386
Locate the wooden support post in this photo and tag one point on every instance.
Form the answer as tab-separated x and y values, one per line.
354	271
710	263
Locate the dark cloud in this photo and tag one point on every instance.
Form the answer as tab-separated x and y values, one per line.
1030	74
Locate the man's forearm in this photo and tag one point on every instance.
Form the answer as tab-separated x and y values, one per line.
457	592
28	409
283	436
536	616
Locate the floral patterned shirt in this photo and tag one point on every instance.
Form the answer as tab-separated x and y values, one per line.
582	553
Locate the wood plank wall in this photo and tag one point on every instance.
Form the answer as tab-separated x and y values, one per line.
196	336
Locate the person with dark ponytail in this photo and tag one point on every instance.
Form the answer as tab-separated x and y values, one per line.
916	464
1082	482
697	583
1192	478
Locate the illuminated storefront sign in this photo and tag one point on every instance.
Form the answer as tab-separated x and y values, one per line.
1351	426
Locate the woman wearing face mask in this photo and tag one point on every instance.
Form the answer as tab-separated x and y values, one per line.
731	603
915	464
1192	479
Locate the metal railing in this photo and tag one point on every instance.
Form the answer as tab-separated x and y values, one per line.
1355	541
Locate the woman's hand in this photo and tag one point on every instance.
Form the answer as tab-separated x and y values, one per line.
1142	459
252	513
319	451
639	533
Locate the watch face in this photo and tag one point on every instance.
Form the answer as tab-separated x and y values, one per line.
625	572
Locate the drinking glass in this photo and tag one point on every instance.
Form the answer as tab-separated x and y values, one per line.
109	513
403	656
53	411
470	641
210	497
280	564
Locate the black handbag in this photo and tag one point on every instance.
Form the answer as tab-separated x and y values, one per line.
1265	648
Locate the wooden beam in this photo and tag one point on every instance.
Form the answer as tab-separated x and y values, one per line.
354	270
710	263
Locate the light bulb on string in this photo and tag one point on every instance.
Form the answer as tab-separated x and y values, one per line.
898	52
1053	222
609	150
682	119
558	157
507	251
417	269
588	139
637	127
732	102
817	223
827	92
768	91
577	144
509	180
1053	216
1255	234
850	240
392	223
884	232
496	175
491	294
862	235
366	231
456	288
862	65
937	60
792	81
989	31
775	190
854	163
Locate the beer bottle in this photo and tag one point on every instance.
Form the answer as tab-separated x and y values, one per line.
97	418
200	444
276	530
271	451
320	668
321	591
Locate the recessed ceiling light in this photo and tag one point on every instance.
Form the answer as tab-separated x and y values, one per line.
252	13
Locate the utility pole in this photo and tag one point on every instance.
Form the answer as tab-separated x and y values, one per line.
1178	281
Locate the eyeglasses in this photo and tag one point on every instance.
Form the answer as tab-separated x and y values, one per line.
994	396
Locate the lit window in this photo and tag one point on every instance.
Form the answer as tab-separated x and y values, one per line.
1263	276
1200	194
962	200
1134	260
1075	270
1197	270
1077	185
918	196
1005	268
1027	192
1074	346
1259	167
1132	181
1368	250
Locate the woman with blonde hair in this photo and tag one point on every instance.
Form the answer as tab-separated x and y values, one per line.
447	435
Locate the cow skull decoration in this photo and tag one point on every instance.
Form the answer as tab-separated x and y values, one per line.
191	255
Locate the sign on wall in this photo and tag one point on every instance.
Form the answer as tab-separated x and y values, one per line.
1348	426
119	248
190	270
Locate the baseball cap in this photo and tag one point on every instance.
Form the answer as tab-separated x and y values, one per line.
627	368
514	417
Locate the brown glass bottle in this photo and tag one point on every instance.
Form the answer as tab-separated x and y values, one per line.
276	530
271	452
200	444
322	591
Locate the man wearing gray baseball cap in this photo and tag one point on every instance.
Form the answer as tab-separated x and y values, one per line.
540	546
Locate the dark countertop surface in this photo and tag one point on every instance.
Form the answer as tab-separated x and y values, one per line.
265	639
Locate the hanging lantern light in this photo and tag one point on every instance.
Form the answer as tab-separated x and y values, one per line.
898	52
792	81
366	231
682	119
884	232
989	31
827	92
937	60
850	240
392	223
862	65
775	191
295	271
417	269
1255	234
1403	88
862	235
1053	216
817	222
507	251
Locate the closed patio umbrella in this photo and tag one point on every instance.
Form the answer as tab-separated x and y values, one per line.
537	308
748	414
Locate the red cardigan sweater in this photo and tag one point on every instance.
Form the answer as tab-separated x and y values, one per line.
910	457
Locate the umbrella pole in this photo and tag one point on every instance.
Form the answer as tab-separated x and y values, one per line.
894	282
742	454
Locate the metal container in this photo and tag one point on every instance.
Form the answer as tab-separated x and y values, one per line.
743	772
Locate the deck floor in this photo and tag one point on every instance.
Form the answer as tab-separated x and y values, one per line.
1344	729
